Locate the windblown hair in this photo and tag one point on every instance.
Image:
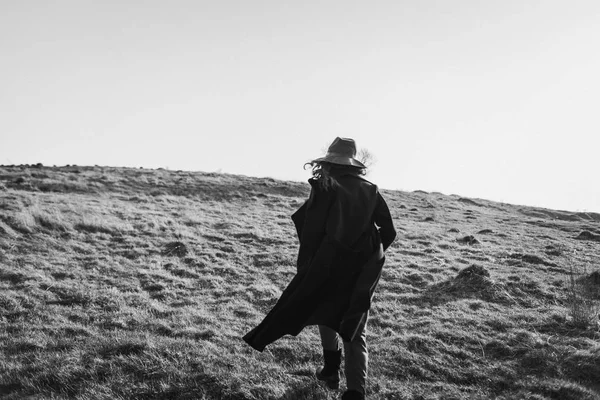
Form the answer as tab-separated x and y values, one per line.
326	173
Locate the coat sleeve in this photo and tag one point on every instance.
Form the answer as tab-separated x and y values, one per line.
383	219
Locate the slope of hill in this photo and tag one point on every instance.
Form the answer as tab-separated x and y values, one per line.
123	283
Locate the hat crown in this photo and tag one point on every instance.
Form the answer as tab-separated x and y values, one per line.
342	147
341	152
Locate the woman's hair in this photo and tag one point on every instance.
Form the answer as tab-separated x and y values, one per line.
326	173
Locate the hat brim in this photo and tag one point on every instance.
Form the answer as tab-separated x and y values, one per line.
349	161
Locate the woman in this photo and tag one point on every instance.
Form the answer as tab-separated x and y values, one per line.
344	228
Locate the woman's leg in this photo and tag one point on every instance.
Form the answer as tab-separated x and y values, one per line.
329	338
356	360
332	358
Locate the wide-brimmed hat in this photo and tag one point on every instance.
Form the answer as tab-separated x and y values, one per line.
342	152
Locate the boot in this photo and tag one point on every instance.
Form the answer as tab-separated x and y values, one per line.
330	373
353	395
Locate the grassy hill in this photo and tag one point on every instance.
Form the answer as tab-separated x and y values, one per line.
123	283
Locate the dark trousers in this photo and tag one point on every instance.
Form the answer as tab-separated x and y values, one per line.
356	355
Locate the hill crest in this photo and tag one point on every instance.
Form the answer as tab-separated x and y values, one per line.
133	283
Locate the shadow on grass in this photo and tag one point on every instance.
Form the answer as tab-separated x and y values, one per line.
198	386
9	388
310	391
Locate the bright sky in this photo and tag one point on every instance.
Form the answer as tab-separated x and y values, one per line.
490	99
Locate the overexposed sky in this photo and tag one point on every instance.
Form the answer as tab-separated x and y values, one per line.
482	98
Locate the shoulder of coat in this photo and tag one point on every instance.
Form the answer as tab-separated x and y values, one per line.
366	180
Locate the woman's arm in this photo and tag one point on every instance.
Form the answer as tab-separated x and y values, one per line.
383	219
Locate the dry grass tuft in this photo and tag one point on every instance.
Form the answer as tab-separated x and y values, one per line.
177	249
584	298
586	235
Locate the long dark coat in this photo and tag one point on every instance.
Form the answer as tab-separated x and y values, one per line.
343	232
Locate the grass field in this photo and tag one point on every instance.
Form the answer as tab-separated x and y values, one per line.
121	283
